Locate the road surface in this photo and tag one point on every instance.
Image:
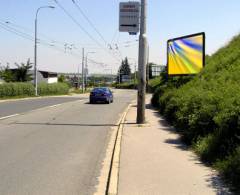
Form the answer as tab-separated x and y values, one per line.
25	105
57	150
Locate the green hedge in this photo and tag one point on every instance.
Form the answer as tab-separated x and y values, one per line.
206	110
53	89
153	84
27	89
126	86
16	89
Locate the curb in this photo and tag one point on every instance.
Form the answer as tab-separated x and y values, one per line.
109	173
112	188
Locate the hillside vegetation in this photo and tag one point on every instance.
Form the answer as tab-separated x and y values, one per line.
206	110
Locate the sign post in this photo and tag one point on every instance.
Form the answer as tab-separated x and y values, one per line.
142	61
130	21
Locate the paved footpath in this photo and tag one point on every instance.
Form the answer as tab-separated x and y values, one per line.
154	161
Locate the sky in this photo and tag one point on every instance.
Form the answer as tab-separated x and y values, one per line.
61	38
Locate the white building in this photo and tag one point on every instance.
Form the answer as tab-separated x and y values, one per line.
47	77
43	76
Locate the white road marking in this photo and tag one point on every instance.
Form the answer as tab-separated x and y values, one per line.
10	116
53	106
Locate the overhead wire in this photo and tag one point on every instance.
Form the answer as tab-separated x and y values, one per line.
44	43
98	32
83	29
89	21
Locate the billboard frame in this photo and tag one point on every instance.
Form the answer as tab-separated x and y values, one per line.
185	37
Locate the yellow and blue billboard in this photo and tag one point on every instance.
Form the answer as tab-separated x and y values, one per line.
186	55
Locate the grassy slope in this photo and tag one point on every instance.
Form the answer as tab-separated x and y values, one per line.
206	111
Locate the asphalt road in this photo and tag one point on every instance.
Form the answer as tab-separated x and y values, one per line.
24	105
57	150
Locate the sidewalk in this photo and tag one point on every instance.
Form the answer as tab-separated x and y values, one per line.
153	161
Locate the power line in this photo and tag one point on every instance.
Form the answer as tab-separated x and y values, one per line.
95	29
83	29
30	38
89	21
16	33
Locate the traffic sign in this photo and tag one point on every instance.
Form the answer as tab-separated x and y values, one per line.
129	17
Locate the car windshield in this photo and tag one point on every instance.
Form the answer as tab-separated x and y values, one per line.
97	90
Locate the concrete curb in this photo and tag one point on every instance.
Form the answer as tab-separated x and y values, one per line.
114	171
108	179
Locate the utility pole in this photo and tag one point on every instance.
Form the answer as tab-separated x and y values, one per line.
135	73
83	71
86	69
78	77
142	61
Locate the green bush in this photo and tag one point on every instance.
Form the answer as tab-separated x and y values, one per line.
230	169
53	89
126	86
206	109
27	89
153	84
16	89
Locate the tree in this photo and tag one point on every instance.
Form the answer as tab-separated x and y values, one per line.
61	78
6	74
124	69
22	73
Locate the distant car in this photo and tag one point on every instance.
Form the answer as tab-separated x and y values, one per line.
101	94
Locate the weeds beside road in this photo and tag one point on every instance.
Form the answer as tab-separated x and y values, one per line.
205	110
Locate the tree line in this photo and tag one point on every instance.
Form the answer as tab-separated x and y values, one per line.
19	74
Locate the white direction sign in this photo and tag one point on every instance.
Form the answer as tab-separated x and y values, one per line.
129	17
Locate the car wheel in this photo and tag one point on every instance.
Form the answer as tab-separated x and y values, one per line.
108	101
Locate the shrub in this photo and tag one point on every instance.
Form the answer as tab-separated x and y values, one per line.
16	89
206	109
153	84
230	169
126	86
53	89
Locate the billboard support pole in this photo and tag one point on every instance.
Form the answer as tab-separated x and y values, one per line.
142	61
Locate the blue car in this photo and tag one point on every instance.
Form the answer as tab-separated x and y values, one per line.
101	94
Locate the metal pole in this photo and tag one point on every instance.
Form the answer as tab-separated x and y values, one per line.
78	76
119	77
35	49
142	61
135	74
35	57
86	68
83	70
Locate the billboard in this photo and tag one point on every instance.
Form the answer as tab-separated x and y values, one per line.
186	55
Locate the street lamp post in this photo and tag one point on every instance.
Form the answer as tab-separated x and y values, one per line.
35	48
86	67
